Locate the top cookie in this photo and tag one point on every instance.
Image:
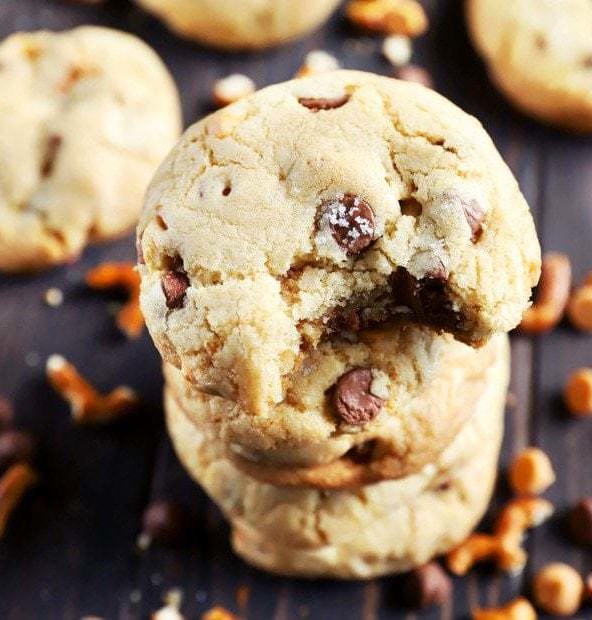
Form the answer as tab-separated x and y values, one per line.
321	205
256	24
539	52
81	133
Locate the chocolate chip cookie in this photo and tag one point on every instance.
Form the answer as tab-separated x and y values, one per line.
321	207
253	24
357	413
539	53
81	133
381	528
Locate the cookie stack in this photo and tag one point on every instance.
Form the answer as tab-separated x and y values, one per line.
329	268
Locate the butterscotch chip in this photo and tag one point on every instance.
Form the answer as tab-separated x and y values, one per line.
558	589
531	472
352	398
578	392
579	308
218	613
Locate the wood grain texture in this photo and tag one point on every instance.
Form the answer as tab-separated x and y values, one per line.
70	549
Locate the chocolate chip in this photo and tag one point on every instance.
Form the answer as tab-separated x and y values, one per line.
323	104
352	399
474	213
580	522
163	522
363	453
350	220
52	146
174	285
426	298
427	586
6	413
15	447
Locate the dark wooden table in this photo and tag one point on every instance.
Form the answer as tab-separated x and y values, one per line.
70	551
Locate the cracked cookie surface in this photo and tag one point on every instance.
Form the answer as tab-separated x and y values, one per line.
539	52
425	386
257	24
381	528
294	221
81	133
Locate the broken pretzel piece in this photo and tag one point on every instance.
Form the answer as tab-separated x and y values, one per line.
88	405
553	295
518	609
121	275
405	17
504	545
13	485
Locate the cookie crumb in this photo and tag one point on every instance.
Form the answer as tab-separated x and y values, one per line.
229	89
397	49
317	62
53	297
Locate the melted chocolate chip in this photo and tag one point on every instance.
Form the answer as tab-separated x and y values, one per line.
52	146
427	586
174	285
352	399
350	220
322	103
363	453
426	298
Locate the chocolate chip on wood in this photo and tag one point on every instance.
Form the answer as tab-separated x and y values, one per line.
427	586
579	521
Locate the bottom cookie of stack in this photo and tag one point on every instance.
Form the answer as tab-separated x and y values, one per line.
387	527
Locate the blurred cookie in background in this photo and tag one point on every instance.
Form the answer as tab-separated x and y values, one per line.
86	116
539	53
250	24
